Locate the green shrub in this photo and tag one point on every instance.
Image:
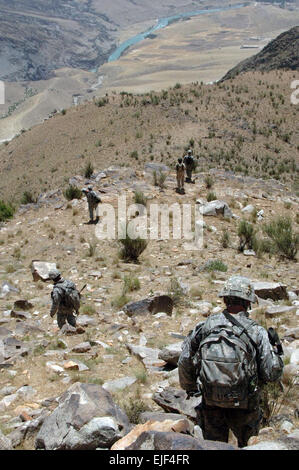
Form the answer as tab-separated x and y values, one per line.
120	300
72	192
131	284
133	409
284	241
159	179
88	170
6	211
131	248
211	196
216	265
28	198
140	198
225	239
209	182
176	292
246	234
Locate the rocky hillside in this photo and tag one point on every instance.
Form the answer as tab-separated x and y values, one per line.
281	53
247	126
122	358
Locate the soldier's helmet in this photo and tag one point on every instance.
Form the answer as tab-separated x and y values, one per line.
239	286
189	151
180	160
89	188
54	274
84	190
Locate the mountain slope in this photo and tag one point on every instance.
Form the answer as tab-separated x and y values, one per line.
281	53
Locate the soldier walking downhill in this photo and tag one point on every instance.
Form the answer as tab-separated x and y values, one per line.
65	299
227	359
189	164
93	201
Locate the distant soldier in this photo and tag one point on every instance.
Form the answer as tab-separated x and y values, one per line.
65	299
93	201
227	359
190	165
180	175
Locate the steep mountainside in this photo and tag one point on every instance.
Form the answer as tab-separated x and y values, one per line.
38	37
281	53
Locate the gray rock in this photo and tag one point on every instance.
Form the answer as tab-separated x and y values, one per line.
6	289
292	333
277	311
172	441
156	167
148	356
162	303
20	315
40	270
173	400
119	384
270	290
82	347
86	418
171	353
248	209
215	208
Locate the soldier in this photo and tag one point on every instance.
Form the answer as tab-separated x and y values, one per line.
65	299
189	164
180	175
227	359
93	201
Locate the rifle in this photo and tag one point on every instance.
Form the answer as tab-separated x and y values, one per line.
275	341
193	394
82	289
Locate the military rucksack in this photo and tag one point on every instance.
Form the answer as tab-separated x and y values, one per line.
69	295
225	362
189	160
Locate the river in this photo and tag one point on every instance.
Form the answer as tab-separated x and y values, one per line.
162	23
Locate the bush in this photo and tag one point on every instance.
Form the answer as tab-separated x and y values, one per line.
211	197
72	192
88	170
139	198
159	179
216	265
176	292
209	182
225	239
28	198
284	241
246	233
6	211
132	248
131	284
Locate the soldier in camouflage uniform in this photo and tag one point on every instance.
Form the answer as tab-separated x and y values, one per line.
64	312
93	202
216	421
189	164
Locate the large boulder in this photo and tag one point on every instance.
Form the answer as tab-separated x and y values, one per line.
6	288
148	356
173	400
171	353
40	270
215	208
160	303
270	290
171	441
181	425
86	418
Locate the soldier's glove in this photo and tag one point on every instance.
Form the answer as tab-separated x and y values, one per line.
275	341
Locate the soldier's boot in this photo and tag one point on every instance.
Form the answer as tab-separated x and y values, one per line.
71	319
61	320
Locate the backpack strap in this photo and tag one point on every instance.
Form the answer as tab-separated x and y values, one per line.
235	322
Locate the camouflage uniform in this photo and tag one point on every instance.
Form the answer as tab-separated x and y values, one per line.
215	421
189	166
63	313
180	174
93	201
